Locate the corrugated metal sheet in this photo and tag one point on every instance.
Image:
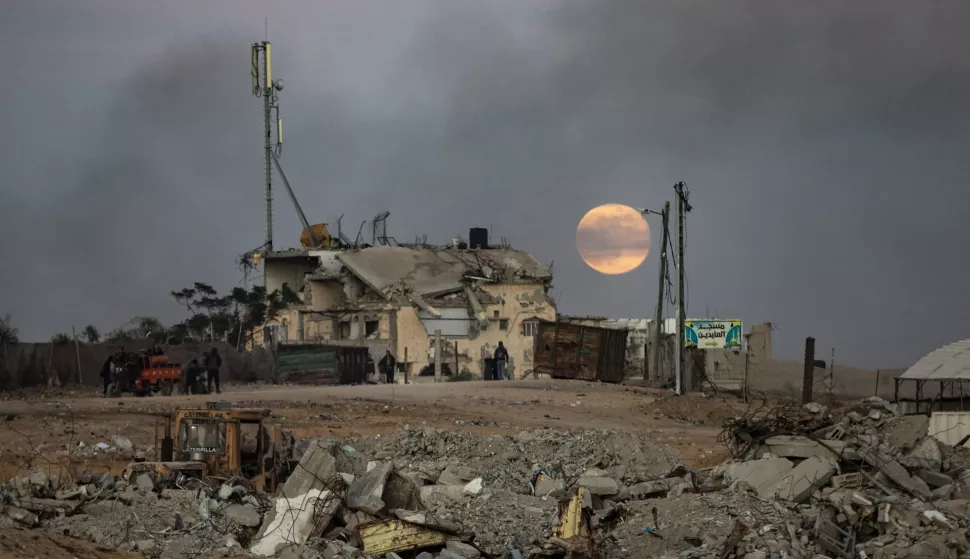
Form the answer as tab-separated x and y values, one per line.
454	322
321	364
575	351
949	427
951	362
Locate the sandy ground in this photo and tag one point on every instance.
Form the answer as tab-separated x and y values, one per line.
39	429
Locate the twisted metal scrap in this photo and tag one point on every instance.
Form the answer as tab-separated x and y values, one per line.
743	435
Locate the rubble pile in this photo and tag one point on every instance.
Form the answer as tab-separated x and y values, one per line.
803	482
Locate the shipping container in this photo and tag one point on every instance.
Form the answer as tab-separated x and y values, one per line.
575	351
321	364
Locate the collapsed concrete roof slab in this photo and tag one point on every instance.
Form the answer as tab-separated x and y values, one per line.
948	363
430	272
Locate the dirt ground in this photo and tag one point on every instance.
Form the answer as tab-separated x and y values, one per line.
39	428
32	544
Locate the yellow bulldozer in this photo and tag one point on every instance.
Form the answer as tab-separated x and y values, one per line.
219	443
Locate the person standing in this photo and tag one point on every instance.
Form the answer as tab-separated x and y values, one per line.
106	372
192	371
212	364
501	356
386	366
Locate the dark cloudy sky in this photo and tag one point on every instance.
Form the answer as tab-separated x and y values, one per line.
824	144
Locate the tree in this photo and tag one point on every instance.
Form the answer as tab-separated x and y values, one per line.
91	334
60	338
8	334
229	317
138	328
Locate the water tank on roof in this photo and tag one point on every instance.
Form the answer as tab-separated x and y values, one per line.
478	237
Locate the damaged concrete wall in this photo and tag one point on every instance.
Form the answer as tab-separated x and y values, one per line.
291	271
326	294
506	307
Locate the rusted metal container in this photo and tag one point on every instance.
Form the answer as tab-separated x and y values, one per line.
321	364
574	351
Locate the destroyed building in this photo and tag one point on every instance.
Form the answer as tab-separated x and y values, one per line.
395	298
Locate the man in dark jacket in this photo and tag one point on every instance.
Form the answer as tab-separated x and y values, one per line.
501	361
156	350
192	371
212	364
106	372
386	367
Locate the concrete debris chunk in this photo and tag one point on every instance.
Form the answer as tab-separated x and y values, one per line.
400	492
895	472
599	486
463	549
292	520
798	484
122	443
242	515
548	487
441	494
365	493
315	471
473	487
428	520
760	474
926	455
145	483
797	447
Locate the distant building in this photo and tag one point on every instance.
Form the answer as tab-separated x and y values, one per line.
395	297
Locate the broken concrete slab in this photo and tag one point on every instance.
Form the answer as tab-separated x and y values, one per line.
548	487
798	484
473	487
905	432
796	447
432	494
292	520
759	474
365	493
145	483
242	515
934	479
925	455
428	520
400	492
315	470
449	478
895	472
599	486
463	549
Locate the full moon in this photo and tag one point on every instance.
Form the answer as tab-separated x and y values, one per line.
613	239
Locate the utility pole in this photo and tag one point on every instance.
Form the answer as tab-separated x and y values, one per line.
658	320
437	355
808	375
683	383
265	87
